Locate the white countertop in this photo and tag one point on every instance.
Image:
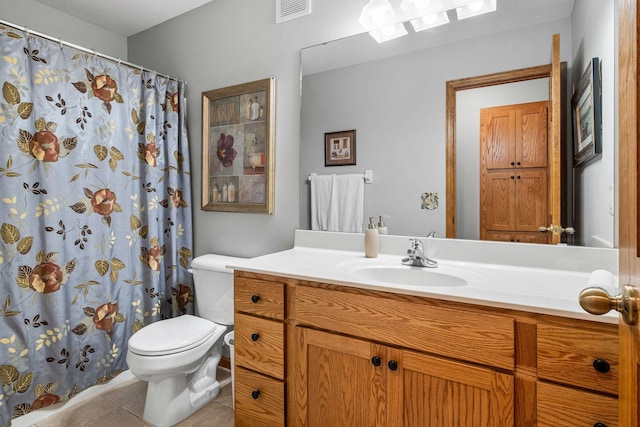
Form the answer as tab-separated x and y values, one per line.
508	275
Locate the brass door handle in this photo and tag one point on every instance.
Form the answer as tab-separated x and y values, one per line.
598	301
556	229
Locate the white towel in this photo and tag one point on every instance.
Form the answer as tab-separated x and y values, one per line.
337	202
322	206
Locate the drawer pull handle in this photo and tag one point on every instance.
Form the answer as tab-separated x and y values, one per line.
255	336
393	365
376	361
599	425
255	298
255	394
601	366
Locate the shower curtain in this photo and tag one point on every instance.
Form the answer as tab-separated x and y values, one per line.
95	219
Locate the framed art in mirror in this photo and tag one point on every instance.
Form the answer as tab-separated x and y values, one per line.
586	106
340	148
237	148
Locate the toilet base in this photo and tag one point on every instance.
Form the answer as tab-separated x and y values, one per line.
165	409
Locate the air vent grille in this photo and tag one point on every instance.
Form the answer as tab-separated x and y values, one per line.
291	9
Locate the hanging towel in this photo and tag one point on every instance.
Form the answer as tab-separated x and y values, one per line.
324	211
337	202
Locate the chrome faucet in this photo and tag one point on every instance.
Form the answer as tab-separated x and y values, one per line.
416	256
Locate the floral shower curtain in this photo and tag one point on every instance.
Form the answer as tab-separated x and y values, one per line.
95	220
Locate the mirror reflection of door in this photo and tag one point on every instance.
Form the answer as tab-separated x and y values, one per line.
514	173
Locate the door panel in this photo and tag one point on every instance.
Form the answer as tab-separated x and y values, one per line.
629	232
531	199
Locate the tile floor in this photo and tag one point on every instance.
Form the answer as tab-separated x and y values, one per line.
124	405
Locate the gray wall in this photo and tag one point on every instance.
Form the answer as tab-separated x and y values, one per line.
397	106
593	36
228	42
56	24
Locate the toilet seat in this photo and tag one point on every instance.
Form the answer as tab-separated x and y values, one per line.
172	336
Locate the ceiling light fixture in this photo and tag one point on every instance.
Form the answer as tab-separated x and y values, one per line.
380	20
476	8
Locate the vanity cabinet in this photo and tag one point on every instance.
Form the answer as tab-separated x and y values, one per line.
341	355
259	345
577	375
352	382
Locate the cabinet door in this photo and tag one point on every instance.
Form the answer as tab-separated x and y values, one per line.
531	199
437	392
531	135
497	138
336	381
497	200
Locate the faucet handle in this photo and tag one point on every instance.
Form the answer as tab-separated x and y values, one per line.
431	234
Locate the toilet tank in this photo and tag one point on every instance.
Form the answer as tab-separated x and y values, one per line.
213	283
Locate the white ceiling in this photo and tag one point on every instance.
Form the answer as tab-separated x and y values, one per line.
124	17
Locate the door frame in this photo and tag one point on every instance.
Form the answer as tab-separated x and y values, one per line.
452	87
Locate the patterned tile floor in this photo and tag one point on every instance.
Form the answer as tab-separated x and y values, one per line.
124	405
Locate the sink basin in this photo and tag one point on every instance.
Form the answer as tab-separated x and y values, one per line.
416	276
394	272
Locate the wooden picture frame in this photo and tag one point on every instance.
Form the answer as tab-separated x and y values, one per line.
340	148
586	106
237	148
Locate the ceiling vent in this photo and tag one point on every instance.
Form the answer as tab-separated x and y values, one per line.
291	9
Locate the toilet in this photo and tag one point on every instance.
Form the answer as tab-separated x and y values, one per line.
178	357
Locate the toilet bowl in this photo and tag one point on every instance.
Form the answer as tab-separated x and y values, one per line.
179	357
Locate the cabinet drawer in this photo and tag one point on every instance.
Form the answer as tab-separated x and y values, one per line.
259	345
473	336
560	406
259	400
259	297
573	355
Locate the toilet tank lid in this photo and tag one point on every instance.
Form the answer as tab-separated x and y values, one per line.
215	262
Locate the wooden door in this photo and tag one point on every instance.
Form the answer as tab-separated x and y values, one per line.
345	384
629	190
435	392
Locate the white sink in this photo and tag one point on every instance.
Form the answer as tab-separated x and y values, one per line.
394	272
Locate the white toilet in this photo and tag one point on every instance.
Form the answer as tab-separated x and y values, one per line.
178	357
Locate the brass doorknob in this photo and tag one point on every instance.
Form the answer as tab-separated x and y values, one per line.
598	301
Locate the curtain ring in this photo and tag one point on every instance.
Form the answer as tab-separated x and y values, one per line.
26	30
119	61
60	42
95	54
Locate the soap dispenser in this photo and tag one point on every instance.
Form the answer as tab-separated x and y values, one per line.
371	240
382	228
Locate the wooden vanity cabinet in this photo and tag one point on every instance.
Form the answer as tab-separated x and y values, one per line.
259	351
337	355
352	382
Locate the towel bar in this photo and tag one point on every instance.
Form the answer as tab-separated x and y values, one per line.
367	175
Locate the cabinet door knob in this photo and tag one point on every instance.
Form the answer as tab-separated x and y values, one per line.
255	394
255	336
518	163
599	425
512	177
376	361
255	298
513	163
393	365
601	366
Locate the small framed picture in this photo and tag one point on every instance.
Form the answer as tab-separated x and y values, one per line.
340	148
587	115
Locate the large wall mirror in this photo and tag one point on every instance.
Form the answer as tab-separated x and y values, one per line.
394	95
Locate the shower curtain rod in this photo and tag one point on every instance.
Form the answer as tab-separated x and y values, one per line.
84	49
